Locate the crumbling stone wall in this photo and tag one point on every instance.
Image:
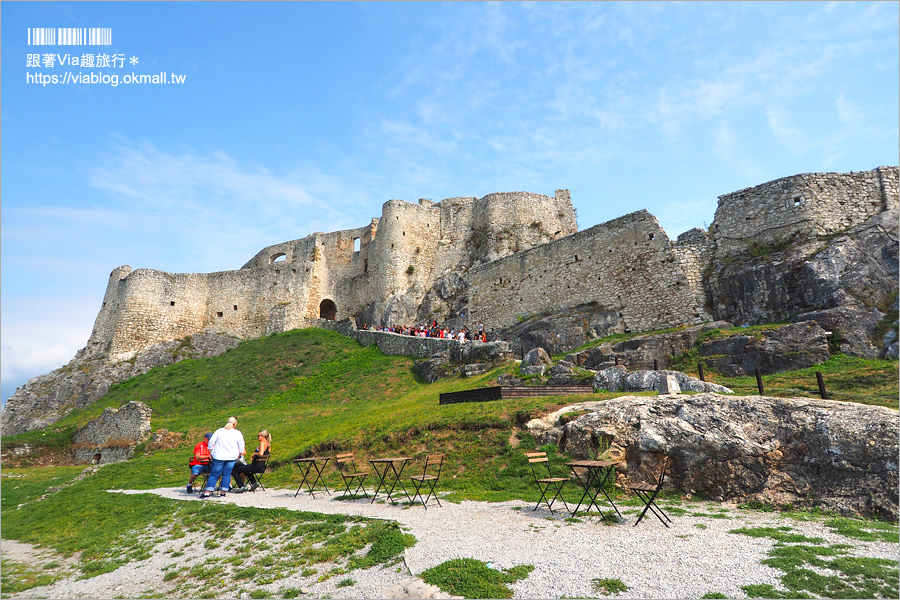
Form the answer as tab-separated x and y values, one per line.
519	252
626	265
694	251
113	435
398	259
800	207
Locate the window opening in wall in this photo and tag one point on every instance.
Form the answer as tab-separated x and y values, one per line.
220	315
651	236
327	310
798	201
172	303
365	266
235	306
280	257
356	243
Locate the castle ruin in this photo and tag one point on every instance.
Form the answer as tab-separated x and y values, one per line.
494	259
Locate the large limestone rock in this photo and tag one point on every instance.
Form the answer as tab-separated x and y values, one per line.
113	435
615	379
536	362
563	331
639	352
47	398
788	348
803	452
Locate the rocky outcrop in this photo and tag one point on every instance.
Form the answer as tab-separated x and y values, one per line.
618	379
113	436
802	452
787	348
561	332
468	360
46	399
535	362
856	271
640	351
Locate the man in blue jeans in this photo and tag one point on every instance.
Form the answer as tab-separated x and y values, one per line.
226	445
200	462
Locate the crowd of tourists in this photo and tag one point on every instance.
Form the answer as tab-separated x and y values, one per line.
435	331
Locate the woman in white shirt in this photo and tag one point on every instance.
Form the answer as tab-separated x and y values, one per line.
226	446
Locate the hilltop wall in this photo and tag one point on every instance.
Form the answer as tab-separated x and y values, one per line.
802	206
626	265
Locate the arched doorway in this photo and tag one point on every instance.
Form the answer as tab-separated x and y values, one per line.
327	310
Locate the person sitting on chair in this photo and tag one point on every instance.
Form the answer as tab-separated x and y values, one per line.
200	462
256	464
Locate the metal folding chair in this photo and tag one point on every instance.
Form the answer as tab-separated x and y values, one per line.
647	492
545	484
420	481
258	475
350	474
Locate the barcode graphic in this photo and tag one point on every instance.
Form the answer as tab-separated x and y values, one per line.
70	36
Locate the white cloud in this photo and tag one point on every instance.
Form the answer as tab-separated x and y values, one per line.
42	334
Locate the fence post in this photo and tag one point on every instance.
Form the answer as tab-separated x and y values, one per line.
759	382
700	368
821	381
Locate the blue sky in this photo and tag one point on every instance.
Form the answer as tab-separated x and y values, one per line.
303	117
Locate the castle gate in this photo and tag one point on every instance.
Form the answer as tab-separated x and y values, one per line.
327	310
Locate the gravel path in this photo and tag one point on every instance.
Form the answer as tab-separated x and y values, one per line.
695	556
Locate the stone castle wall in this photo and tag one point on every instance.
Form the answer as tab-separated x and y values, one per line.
384	268
694	251
800	207
519	252
626	265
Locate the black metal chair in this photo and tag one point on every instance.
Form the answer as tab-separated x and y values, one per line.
350	474
545	484
419	481
261	470
647	492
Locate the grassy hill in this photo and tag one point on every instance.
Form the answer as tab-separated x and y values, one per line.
317	392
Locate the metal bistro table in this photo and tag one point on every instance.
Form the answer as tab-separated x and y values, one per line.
598	472
308	464
386	468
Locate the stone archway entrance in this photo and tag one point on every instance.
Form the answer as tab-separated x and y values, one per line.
327	310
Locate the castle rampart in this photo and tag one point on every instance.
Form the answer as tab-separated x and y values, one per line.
800	207
626	265
384	268
518	252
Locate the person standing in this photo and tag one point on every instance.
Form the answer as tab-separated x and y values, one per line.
200	462
226	446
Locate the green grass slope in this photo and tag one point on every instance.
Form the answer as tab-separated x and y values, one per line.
317	392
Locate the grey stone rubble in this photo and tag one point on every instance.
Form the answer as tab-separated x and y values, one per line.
113	435
684	561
